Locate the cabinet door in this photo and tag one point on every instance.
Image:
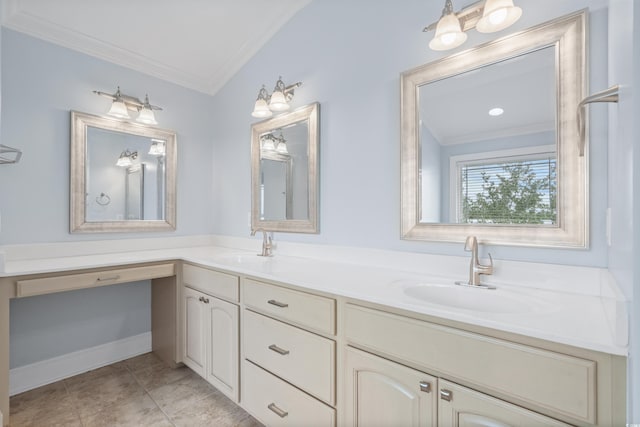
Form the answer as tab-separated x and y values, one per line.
194	330
222	346
461	407
383	393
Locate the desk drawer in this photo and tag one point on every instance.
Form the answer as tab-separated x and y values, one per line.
48	285
540	378
214	283
312	311
304	359
276	403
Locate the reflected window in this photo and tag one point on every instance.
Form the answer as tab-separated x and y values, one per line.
507	188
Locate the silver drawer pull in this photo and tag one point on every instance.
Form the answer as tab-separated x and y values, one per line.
425	386
278	303
107	279
446	395
277	410
278	350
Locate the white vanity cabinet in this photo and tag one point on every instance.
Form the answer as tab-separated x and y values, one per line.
288	371
210	327
379	392
506	383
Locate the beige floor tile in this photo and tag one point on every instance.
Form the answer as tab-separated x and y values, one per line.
105	391
49	405
184	393
144	361
80	380
156	376
214	410
139	412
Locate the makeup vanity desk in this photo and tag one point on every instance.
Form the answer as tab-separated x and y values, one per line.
372	321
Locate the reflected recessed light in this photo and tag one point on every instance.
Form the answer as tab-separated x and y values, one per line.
496	111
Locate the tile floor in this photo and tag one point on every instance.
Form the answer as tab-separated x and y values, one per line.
141	391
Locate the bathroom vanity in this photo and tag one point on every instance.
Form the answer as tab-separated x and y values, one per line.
311	341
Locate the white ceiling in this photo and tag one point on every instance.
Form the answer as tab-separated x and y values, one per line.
199	44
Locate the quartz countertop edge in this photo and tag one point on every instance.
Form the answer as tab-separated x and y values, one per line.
565	324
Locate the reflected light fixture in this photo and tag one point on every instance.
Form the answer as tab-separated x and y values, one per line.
496	111
276	102
282	145
485	16
122	104
268	142
157	147
126	158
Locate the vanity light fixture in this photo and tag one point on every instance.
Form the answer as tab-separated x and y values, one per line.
122	104
276	102
485	16
282	145
268	142
126	158
497	111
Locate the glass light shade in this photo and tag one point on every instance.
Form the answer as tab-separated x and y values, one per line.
278	102
147	117
268	145
498	15
124	161
157	149
449	34
282	148
261	109
118	109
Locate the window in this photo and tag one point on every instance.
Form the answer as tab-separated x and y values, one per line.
507	187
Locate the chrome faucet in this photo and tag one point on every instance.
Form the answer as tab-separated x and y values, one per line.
475	268
267	242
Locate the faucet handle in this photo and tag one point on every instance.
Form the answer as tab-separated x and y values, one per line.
490	260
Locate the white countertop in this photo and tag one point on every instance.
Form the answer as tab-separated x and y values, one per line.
594	319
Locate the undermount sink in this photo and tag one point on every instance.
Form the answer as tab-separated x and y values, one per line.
475	299
244	260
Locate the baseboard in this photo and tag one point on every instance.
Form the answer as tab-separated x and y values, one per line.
37	374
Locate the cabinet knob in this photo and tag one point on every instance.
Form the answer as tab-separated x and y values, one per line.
446	395
278	303
201	299
278	350
425	386
277	410
205	300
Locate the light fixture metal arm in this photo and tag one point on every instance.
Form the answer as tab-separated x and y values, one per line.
131	102
607	95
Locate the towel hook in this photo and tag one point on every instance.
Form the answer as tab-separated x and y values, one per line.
607	95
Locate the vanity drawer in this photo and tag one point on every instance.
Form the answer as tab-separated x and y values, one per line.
277	403
304	359
312	311
538	378
47	285
211	282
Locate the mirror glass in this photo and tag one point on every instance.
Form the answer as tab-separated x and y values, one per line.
489	142
123	176
284	172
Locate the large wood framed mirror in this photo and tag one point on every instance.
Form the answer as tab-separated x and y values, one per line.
284	172
489	145
123	176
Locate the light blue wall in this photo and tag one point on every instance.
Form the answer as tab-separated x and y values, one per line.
41	83
349	56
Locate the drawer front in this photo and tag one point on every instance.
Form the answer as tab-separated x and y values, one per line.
304	359
222	285
276	403
312	311
550	381
47	285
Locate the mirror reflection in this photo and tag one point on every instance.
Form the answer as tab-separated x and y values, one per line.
122	176
284	172
123	168
488	144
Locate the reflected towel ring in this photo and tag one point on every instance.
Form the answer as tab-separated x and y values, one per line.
103	199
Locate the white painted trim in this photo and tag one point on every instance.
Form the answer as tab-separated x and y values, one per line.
45	372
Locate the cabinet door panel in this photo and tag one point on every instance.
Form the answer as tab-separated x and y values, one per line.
222	366
194	333
462	407
383	393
